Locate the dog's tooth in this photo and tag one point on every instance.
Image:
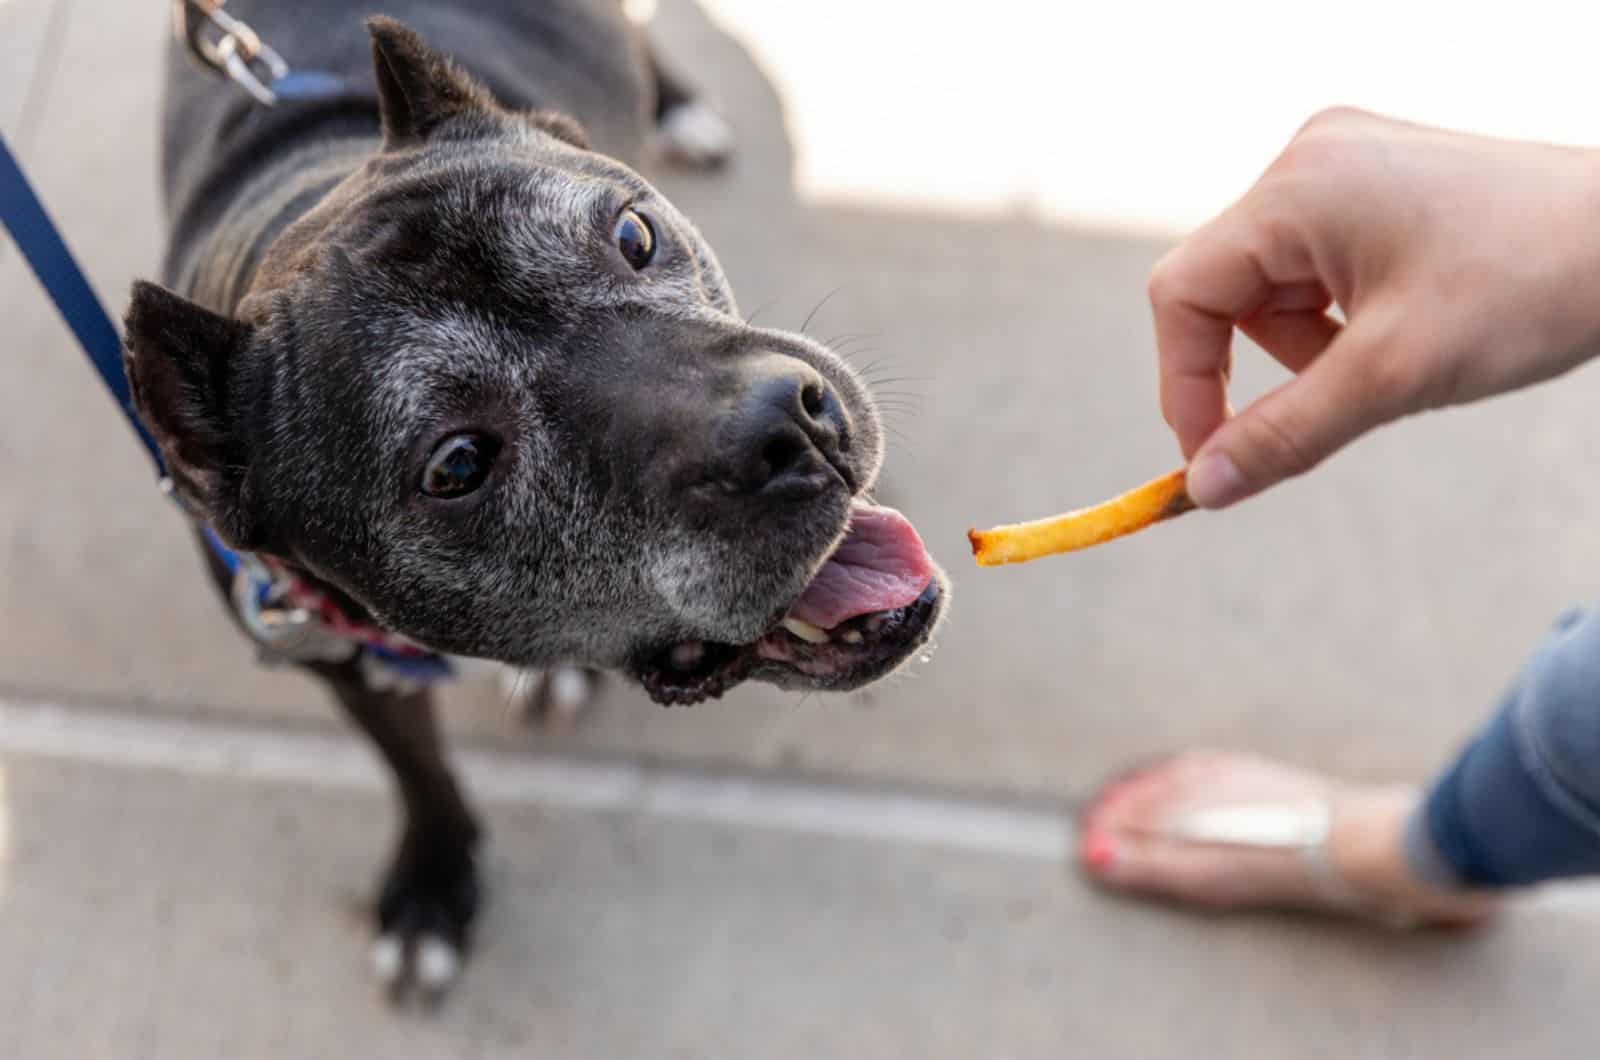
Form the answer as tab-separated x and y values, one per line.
388	958
688	655
852	636
805	630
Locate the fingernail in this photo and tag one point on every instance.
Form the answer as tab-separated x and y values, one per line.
1098	850
1214	481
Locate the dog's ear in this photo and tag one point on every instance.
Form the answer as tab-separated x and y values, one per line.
179	358
417	87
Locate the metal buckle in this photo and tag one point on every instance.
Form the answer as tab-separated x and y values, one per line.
286	632
228	46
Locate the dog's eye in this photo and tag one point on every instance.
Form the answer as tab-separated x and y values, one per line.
459	465
635	239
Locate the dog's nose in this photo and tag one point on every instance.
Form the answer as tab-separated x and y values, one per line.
788	431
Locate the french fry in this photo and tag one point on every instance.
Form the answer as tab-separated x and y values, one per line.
1155	501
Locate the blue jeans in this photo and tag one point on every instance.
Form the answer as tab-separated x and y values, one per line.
1522	802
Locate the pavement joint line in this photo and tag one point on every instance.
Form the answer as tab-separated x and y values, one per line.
246	752
53	729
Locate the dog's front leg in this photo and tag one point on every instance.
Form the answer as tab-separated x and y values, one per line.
430	892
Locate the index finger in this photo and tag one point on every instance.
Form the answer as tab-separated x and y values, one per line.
1197	292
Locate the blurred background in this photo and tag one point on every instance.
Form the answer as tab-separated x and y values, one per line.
976	193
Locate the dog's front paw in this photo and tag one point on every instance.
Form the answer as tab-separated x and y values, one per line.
553	697
693	134
425	913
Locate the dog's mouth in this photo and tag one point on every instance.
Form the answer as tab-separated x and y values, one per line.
874	601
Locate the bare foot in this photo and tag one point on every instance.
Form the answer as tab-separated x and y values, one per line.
1132	840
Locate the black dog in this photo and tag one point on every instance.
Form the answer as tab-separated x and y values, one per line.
446	376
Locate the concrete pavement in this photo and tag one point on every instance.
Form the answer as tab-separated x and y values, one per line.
216	911
1361	621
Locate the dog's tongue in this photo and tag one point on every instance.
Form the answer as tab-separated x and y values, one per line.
881	565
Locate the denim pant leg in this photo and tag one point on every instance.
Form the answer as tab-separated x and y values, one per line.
1522	802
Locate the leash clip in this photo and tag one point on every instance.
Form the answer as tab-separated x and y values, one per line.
228	46
284	631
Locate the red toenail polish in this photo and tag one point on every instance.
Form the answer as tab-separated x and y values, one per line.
1099	850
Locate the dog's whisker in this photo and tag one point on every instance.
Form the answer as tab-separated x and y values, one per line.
514	690
818	308
750	320
852	336
878	379
886	361
877	364
893	416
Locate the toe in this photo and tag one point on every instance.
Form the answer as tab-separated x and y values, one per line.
555	697
1202	877
1125	799
694	134
517	686
438	964
388	958
570	690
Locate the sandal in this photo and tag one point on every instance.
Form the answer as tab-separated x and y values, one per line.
1230	831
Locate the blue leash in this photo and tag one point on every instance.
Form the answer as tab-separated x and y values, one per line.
47	255
46	252
308	84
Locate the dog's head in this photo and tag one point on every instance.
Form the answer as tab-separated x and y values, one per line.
494	389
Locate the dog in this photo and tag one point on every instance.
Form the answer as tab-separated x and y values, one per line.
432	354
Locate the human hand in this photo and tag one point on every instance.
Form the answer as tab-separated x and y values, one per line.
1464	267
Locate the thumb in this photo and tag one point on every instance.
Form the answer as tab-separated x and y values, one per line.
1344	393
